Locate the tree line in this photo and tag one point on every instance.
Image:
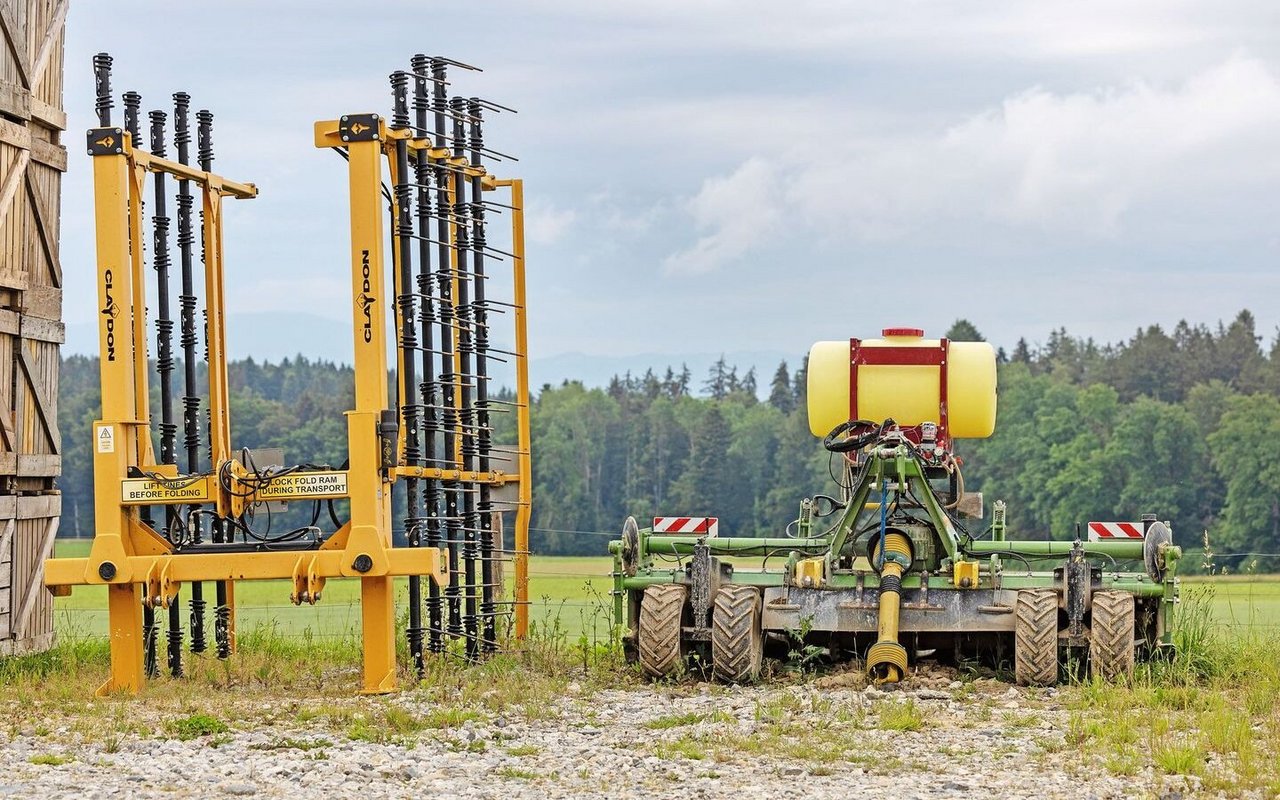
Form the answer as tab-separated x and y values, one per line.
1183	424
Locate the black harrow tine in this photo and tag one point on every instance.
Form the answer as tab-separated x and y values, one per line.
462	237
437	68
150	633
102	89
403	226
164	366
188	340
431	492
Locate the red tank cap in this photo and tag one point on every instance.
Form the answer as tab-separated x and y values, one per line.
902	332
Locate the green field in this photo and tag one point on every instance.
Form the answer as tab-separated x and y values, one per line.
570	591
1239	602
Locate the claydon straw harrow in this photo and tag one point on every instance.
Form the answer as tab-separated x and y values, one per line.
888	570
162	521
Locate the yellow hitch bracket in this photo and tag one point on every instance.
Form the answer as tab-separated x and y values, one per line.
307	583
965	574
809	572
160	588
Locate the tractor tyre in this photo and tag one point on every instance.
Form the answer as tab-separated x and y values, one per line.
1035	651
658	637
737	643
1111	643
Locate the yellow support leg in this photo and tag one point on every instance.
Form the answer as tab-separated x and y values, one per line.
378	614
124	609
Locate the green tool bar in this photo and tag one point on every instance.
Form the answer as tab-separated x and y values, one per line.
683	545
1136	585
1128	549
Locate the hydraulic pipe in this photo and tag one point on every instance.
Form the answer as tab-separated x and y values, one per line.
1119	550
187	340
449	378
683	545
222	613
408	383
483	437
164	365
427	391
887	658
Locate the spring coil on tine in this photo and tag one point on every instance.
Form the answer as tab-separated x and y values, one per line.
102	88
204	139
132	102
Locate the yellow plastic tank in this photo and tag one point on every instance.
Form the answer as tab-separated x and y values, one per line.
908	393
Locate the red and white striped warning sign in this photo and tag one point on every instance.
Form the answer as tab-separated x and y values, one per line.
692	526
1104	531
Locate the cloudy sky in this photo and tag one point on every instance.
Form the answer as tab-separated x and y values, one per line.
747	176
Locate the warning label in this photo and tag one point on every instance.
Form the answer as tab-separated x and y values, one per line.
305	484
145	490
106	436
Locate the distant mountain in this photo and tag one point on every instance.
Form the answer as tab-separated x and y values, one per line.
276	336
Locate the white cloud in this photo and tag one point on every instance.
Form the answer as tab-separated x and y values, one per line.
545	223
739	210
1053	164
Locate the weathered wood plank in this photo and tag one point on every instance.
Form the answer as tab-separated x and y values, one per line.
42	302
40	60
43	330
49	154
48	115
15	178
6	593
13	133
16	41
45	408
14	101
39	506
32	644
35	465
36	584
45	231
35	506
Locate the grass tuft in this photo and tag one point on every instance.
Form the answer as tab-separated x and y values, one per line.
195	726
895	716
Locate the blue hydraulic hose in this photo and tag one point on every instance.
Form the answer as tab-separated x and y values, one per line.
884	520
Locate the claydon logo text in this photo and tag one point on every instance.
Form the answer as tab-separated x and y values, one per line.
366	300
110	311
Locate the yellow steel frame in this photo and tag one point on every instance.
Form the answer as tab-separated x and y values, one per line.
328	135
138	565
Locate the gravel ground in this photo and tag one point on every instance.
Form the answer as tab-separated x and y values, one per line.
821	738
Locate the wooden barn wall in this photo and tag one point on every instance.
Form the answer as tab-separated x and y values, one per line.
32	160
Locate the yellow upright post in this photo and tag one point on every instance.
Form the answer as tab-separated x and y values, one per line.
369	484
115	434
216	344
525	468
